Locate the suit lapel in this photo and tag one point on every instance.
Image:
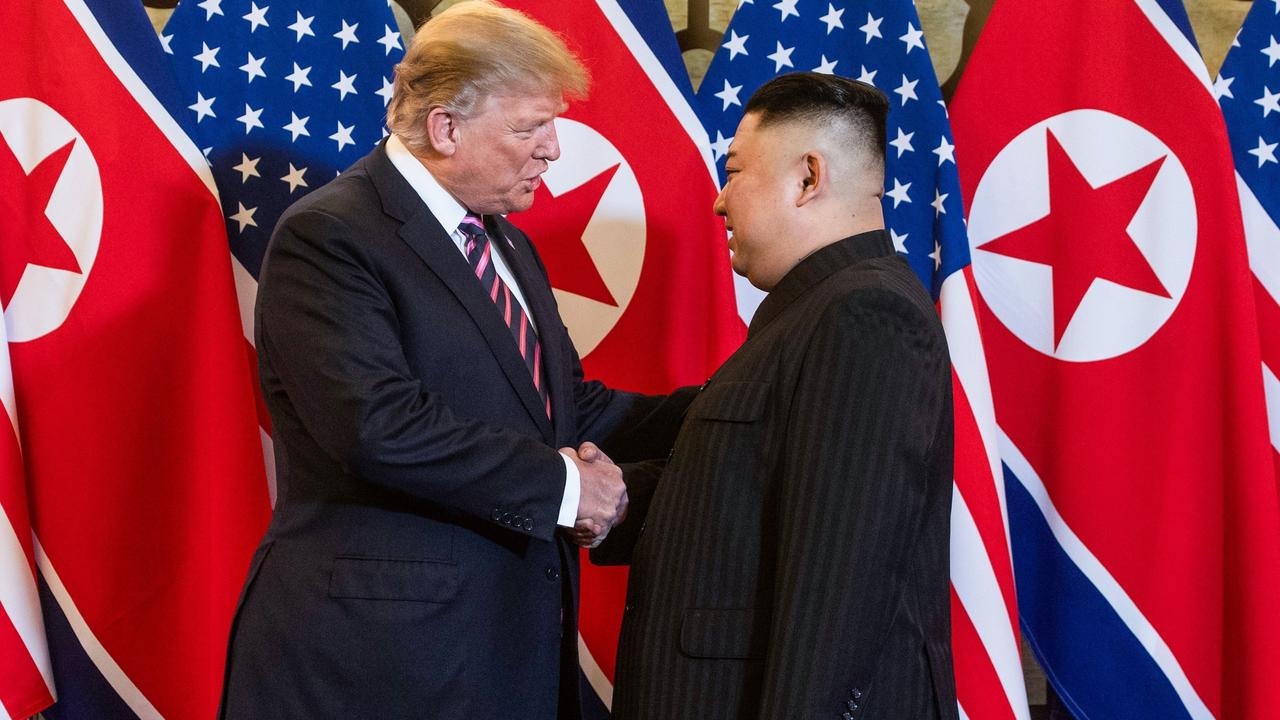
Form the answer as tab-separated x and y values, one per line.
542	307
422	232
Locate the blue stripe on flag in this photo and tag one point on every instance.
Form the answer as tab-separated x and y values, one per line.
82	691
1108	671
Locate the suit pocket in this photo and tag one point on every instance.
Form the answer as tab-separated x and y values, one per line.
727	634
731	402
378	579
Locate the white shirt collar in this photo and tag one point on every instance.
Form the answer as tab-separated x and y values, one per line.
445	207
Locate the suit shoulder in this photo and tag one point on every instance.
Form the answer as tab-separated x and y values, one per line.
887	286
345	201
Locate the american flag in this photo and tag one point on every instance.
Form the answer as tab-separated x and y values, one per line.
1248	89
284	96
881	42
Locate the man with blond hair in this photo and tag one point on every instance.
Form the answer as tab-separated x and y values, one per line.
419	563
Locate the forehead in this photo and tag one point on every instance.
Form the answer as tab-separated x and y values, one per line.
524	105
750	139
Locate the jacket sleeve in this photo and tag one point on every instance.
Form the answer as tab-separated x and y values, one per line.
872	392
328	332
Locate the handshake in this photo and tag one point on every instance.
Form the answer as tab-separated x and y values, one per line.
602	503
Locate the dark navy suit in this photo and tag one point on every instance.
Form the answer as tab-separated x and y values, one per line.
413	568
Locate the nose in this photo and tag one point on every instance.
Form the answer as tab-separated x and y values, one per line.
549	148
718	207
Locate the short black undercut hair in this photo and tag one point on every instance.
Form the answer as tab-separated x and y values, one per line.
819	98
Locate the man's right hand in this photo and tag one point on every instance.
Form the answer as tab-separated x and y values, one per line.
602	502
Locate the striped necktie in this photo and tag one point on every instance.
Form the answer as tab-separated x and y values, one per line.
480	255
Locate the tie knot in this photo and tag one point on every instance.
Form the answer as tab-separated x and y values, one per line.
472	225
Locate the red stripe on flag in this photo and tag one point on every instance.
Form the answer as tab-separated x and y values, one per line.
974	481
1268	326
22	689
978	688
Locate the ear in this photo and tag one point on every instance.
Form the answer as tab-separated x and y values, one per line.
442	131
815	179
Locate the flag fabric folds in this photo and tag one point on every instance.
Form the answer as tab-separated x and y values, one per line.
1119	324
130	419
638	262
284	96
882	43
1248	90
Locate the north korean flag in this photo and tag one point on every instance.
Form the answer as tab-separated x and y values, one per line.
132	394
638	261
1121	337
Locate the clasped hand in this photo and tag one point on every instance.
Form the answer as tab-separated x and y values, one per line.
602	503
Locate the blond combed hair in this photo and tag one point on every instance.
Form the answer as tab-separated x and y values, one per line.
471	51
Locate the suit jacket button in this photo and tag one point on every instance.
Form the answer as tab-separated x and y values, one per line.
846	716
527	525
497	514
552	573
852	705
856	694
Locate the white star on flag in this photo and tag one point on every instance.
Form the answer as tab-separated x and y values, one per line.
302	26
250	118
257	17
294	178
345	85
1222	87
903	142
299	77
720	147
388	88
826	67
786	7
203	107
208	57
939	197
297	126
781	57
867	76
211	8
343	135
1265	152
913	38
899	241
737	45
907	90
833	18
872	27
945	151
244	216
253	67
899	193
390	40
1272	52
729	95
1269	101
347	34
247	168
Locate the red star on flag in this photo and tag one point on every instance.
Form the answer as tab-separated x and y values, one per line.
1084	237
557	223
30	238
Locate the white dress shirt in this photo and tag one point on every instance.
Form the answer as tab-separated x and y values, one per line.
449	213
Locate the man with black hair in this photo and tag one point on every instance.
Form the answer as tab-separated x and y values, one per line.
790	559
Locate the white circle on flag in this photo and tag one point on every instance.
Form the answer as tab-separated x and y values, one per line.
614	237
44	296
1111	319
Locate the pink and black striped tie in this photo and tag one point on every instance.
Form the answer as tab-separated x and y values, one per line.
480	255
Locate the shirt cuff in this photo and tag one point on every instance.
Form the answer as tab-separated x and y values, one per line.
572	491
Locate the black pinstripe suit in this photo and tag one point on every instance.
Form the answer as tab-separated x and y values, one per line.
792	561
